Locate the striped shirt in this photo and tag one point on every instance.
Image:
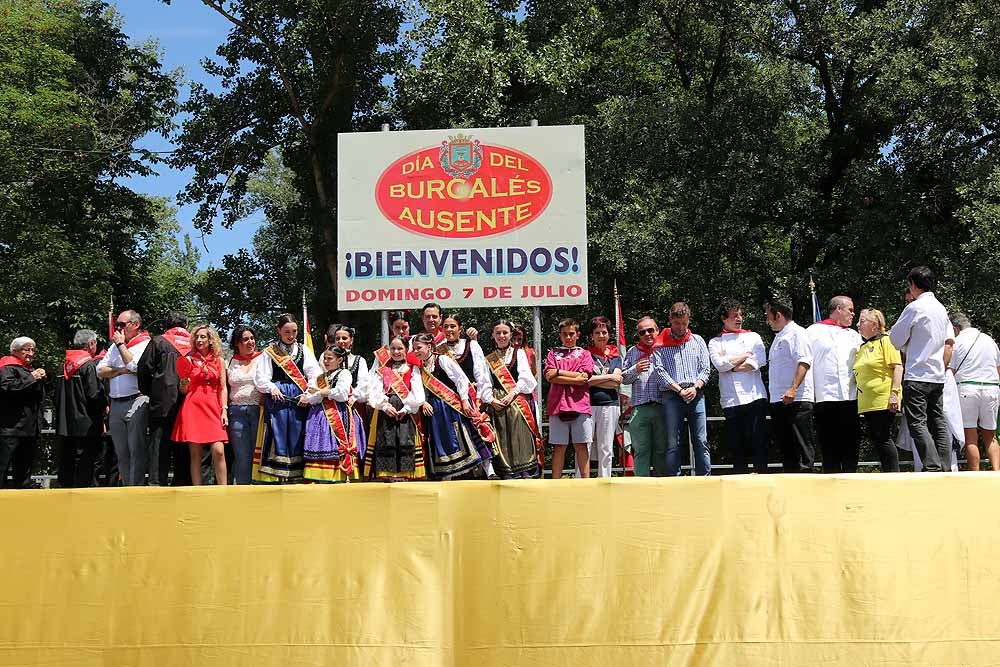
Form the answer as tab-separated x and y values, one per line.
648	386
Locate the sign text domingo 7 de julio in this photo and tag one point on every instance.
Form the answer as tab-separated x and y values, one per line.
466	218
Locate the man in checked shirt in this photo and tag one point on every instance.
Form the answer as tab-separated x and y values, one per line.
687	366
643	370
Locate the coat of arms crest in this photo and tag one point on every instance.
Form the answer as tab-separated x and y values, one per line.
461	156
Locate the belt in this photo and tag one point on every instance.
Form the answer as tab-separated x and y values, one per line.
979	384
126	398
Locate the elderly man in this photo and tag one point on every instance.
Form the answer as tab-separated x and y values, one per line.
643	370
687	368
790	384
923	329
21	393
834	346
129	414
975	361
80	402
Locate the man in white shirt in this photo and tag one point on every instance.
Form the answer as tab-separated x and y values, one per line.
129	413
738	355
923	328
975	361
790	384
834	347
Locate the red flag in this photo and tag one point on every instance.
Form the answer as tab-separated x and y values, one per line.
619	322
627	461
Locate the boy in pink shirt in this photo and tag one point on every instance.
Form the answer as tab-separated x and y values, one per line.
567	369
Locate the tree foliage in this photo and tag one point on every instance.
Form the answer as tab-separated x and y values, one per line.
75	97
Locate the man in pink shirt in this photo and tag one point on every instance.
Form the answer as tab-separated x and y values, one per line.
568	369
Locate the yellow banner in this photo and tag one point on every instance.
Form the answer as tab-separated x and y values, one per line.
754	570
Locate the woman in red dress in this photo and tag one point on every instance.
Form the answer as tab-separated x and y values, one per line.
203	416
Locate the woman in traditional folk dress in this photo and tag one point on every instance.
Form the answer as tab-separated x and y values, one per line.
283	372
454	431
510	398
399	326
395	394
469	356
331	445
343	336
204	416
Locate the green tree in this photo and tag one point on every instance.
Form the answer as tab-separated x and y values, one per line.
293	74
75	97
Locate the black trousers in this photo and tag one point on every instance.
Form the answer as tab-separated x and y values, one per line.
76	461
17	454
879	424
923	404
162	450
792	429
746	432
838	429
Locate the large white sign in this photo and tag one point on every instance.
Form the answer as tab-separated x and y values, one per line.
466	218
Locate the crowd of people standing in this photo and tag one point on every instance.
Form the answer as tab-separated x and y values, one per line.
435	405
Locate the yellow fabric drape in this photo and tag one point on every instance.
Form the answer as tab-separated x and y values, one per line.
753	570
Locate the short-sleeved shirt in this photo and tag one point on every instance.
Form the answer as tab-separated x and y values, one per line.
602	366
975	357
873	372
567	397
789	348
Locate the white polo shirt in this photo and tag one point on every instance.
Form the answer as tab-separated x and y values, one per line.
126	384
834	349
790	348
743	387
922	328
975	357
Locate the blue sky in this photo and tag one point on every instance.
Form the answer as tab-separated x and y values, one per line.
187	32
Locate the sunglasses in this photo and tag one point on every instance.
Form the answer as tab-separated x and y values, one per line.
643	332
121	325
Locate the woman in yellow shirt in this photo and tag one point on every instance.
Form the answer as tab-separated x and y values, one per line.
878	370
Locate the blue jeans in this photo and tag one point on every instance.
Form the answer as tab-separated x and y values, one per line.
243	420
675	410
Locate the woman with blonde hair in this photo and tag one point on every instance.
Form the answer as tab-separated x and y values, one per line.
878	370
204	416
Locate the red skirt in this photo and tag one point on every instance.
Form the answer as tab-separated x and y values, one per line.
200	418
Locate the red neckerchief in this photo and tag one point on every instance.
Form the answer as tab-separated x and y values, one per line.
11	360
100	355
245	359
75	359
439	337
609	352
737	331
667	339
209	366
180	338
141	337
831	323
647	351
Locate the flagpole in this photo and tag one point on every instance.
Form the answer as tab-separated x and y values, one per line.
306	332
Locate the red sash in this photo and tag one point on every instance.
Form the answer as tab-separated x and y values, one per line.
141	337
609	353
180	338
345	436
286	364
241	358
382	355
507	381
445	393
75	359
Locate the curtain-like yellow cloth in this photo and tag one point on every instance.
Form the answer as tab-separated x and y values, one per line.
728	571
